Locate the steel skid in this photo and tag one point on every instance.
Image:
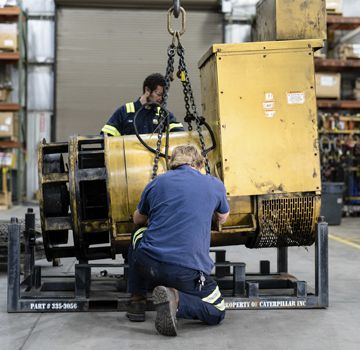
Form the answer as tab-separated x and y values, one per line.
83	292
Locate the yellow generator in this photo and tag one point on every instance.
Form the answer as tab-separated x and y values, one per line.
259	99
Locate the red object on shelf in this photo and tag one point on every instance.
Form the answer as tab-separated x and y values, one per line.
335	22
9	107
9	144
339	104
9	56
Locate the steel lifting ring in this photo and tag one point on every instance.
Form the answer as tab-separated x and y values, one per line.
176	7
183	21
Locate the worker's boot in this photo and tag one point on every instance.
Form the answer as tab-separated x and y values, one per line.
136	308
166	301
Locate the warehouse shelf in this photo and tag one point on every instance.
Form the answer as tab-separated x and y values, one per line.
9	144
17	59
9	56
9	13
350	132
338	104
9	107
335	65
335	22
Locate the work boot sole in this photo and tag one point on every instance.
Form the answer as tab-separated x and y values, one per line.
165	321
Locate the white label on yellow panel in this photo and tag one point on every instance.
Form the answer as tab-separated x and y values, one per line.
296	98
269	114
268	105
269	96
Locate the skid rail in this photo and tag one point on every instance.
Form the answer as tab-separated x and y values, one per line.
82	292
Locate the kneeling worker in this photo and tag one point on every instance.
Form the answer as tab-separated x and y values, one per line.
172	253
122	121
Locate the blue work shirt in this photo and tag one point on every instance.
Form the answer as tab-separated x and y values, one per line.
146	121
180	205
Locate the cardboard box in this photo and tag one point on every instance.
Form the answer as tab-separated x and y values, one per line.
5	200
328	85
290	20
357	83
334	7
349	51
356	94
8	37
8	159
8	125
4	94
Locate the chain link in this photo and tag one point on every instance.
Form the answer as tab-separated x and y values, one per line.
190	106
191	113
168	78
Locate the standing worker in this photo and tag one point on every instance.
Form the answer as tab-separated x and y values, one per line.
172	253
122	121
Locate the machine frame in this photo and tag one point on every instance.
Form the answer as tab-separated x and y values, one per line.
81	292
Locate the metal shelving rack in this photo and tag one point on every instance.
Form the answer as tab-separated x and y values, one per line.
342	107
19	58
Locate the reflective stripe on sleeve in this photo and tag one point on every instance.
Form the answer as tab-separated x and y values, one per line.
130	107
175	125
109	129
211	298
220	306
138	235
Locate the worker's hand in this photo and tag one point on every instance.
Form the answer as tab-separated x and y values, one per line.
221	218
140	219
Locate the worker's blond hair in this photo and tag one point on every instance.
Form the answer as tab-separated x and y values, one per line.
186	155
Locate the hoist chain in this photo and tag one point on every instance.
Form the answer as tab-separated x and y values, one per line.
190	106
190	102
163	115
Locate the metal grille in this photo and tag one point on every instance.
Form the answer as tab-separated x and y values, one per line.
285	222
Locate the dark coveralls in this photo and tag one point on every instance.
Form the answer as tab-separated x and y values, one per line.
122	121
174	249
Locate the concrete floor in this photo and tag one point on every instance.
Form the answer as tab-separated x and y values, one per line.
337	327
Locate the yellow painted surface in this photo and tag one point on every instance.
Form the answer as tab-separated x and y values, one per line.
290	19
265	108
129	168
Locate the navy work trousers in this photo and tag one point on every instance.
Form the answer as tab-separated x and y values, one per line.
205	304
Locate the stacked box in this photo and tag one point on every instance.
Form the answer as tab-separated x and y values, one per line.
8	125
356	91
285	20
328	85
5	200
334	7
8	159
8	37
349	51
4	94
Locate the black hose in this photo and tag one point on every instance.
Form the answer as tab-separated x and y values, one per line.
137	132
167	114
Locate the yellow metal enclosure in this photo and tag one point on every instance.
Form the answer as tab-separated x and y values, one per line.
262	107
290	20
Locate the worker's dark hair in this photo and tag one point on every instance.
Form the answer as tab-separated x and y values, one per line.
153	81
